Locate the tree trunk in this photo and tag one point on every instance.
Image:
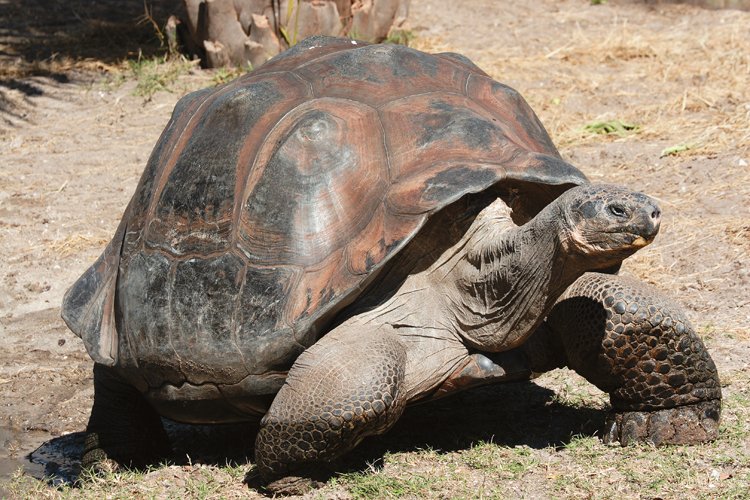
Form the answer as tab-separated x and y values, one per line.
248	32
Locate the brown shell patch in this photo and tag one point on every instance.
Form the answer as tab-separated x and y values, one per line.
385	234
261	329
377	74
194	211
319	287
137	211
363	253
321	174
462	61
305	51
442	127
513	115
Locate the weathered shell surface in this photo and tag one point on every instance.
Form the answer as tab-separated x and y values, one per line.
269	202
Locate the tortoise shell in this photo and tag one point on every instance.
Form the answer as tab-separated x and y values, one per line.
269	203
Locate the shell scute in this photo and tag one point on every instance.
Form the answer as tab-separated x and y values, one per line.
439	127
143	291
321	174
194	211
306	50
204	299
513	115
321	289
137	211
261	326
365	252
462	61
377	74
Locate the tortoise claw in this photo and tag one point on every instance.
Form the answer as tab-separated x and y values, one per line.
296	480
689	424
292	485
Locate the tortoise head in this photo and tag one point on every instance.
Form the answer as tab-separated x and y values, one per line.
607	223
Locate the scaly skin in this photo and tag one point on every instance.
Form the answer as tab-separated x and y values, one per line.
621	335
635	344
344	388
123	427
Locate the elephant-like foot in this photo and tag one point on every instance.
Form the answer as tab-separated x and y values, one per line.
689	424
296	484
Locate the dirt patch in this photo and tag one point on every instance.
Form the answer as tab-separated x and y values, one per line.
74	141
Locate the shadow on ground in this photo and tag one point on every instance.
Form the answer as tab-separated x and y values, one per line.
509	415
35	31
52	38
513	414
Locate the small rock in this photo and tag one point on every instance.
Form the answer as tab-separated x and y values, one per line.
713	478
37	287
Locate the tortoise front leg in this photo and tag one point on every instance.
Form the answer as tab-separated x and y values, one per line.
633	343
347	386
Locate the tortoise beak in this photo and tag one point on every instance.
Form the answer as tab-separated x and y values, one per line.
640	242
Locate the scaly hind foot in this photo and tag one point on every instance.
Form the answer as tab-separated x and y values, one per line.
123	430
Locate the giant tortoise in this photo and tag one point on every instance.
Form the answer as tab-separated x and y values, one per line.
353	228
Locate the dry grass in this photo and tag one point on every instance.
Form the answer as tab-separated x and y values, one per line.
701	95
75	243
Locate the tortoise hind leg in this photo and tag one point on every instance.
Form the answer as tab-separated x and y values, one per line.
630	341
123	426
347	386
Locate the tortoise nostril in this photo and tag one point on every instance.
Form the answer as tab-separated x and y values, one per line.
656	213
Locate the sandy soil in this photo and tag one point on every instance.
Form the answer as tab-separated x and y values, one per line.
74	142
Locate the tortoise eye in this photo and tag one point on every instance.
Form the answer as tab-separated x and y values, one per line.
617	210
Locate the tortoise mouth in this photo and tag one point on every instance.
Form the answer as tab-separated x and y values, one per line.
625	241
639	241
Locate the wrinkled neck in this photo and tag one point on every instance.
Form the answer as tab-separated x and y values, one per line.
508	281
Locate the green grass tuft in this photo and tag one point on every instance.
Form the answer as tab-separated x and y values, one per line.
224	75
157	73
617	127
503	461
400	37
379	485
675	150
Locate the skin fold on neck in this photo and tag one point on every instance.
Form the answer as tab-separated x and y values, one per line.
501	280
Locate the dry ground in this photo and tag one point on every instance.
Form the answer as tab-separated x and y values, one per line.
75	135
